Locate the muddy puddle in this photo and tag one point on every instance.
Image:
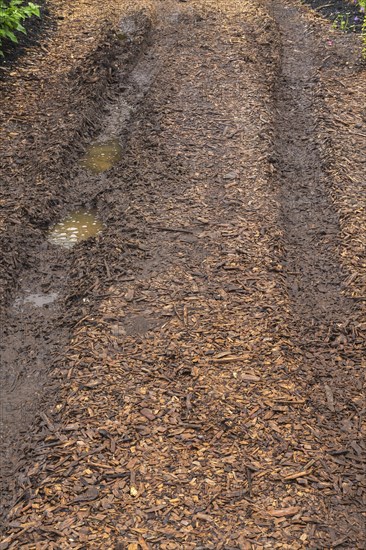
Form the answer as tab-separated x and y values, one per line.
77	226
100	157
36	299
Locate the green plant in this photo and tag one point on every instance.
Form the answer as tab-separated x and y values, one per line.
347	23
342	22
12	14
362	8
363	31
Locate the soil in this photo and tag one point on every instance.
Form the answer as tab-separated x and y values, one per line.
193	376
344	15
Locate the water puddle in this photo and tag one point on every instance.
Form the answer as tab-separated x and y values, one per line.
77	226
38	300
102	156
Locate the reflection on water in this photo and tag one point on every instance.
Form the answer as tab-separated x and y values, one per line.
102	156
77	226
38	300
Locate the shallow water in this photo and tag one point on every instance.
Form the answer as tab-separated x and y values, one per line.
77	226
37	299
102	156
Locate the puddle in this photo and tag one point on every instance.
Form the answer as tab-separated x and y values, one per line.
38	300
77	226
102	156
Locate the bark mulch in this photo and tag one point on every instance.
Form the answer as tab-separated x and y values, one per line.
204	400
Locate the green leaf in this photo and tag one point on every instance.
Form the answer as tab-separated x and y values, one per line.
20	28
12	13
10	35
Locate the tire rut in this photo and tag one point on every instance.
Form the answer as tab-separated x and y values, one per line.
310	221
47	299
322	320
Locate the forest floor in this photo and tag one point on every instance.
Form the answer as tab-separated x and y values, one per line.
193	376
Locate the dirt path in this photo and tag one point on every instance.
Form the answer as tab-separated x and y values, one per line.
209	394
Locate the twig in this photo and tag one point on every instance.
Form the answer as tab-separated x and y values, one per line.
173	229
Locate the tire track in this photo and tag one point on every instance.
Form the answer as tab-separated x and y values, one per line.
310	221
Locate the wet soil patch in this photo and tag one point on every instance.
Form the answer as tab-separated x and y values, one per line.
35	329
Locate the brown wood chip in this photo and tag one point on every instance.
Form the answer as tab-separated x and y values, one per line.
285	512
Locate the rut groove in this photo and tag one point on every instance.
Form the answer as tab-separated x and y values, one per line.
309	218
33	338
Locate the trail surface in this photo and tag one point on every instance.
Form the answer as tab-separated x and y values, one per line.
208	392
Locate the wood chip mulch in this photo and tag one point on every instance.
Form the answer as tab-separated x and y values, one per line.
197	409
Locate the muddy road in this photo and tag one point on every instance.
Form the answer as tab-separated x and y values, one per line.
183	322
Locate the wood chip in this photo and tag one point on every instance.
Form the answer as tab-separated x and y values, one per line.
285	512
147	413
